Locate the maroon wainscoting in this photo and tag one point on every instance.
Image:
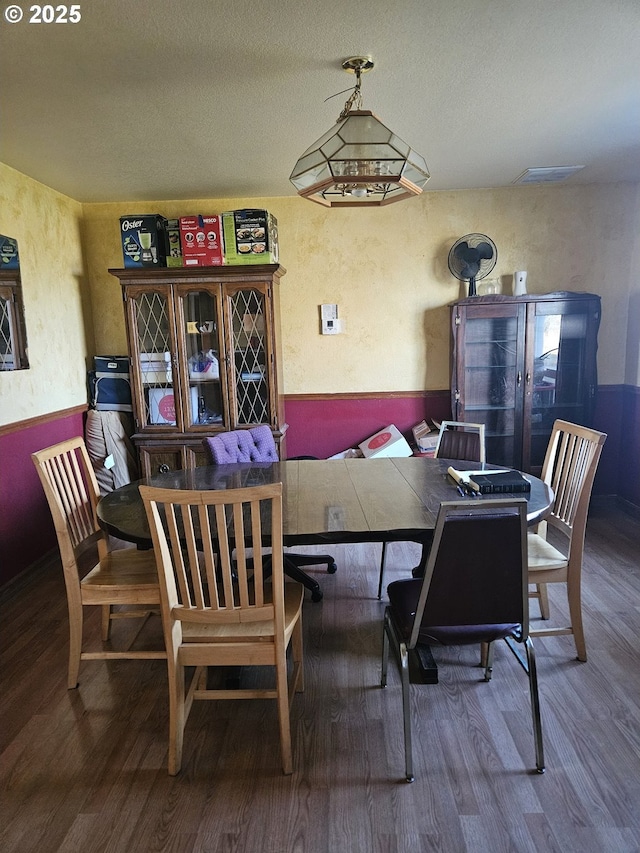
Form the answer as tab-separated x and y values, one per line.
321	425
26	528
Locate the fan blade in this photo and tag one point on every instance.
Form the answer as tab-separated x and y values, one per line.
460	251
485	251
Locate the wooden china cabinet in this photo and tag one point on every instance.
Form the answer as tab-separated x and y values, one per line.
204	352
520	362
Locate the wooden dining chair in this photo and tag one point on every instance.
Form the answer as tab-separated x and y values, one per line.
124	577
219	610
472	592
569	468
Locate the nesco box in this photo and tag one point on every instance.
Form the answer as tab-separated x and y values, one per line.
143	240
201	238
250	237
173	246
9	259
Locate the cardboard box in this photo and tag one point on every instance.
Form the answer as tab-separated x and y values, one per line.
425	438
173	248
201	238
250	237
386	442
162	406
143	240
9	258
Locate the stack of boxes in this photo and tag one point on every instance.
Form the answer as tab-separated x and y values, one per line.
235	237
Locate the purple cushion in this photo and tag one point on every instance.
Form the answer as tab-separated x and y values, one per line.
244	445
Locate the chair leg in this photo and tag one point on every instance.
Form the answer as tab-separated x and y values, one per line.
575	616
406	712
298	655
177	716
383	558
283	715
75	647
535	704
487	655
385	650
106	622
543	599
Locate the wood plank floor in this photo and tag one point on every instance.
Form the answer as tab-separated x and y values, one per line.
85	770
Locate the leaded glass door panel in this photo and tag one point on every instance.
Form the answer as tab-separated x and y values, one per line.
203	363
250	355
154	348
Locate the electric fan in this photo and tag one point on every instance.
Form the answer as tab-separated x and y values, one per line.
471	258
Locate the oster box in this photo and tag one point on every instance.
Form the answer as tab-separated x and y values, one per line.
143	240
201	238
9	258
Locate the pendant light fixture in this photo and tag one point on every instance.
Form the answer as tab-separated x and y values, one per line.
359	162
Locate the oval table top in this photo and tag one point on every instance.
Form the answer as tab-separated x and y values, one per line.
328	500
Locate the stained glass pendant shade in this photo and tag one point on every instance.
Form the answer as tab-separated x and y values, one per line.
359	162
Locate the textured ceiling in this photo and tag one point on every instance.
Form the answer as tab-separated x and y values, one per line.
154	99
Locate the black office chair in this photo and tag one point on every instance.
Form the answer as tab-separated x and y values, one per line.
258	445
475	590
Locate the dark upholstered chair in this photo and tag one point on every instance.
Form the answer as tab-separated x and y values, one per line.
456	440
459	440
474	591
258	445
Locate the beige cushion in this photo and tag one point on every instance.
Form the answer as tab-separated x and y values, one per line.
542	555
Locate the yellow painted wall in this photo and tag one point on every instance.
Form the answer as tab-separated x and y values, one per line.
57	306
387	270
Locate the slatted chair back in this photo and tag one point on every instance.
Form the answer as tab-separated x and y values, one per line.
194	534
569	467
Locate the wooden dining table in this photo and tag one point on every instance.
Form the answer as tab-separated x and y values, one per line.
331	501
325	500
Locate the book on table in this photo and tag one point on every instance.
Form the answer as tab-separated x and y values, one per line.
491	482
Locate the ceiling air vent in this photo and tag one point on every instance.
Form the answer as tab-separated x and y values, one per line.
546	174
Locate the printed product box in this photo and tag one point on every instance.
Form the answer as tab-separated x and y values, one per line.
386	442
143	240
173	248
250	237
9	259
201	238
162	405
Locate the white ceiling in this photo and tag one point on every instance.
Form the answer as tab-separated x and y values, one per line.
155	99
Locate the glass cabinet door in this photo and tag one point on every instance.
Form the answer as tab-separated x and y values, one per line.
563	381
490	353
152	322
198	314
250	356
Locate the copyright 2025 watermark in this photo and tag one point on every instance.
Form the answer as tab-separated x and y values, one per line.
47	14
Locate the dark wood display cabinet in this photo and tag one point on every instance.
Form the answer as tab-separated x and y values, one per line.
204	351
521	362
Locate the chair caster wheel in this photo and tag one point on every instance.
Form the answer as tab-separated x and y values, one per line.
332	568
316	595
